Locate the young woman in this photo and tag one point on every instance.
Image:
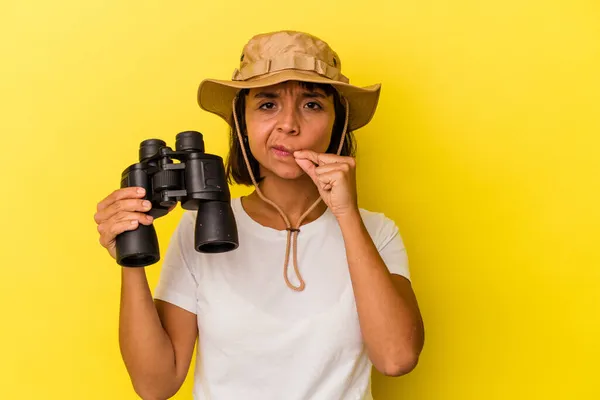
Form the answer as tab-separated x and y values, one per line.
348	306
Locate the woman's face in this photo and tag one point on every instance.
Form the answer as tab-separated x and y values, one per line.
283	118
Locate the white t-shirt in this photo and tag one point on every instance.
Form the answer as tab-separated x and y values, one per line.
261	340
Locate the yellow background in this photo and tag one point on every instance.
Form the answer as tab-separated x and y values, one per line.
484	150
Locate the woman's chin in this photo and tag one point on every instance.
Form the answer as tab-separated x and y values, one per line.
291	175
288	172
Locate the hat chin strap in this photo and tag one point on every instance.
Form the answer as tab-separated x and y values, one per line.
292	231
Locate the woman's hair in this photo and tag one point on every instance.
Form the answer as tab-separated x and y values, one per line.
236	166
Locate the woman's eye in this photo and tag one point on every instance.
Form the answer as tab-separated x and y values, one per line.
267	106
313	105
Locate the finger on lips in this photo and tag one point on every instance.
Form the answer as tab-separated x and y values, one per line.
314	157
323	158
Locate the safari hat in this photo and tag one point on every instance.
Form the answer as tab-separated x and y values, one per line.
275	57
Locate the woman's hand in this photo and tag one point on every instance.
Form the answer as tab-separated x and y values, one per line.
122	210
335	178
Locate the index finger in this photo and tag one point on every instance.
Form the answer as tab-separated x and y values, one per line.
120	194
308	155
321	158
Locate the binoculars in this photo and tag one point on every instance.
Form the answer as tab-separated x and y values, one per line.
198	181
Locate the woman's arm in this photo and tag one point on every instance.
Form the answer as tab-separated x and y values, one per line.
156	338
389	315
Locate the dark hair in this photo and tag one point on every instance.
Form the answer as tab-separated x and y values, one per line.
236	166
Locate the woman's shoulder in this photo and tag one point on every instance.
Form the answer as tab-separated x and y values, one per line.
380	226
375	218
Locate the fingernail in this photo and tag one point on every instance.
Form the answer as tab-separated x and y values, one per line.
146	204
141	190
134	222
149	218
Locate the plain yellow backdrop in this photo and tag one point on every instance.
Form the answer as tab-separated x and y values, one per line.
484	150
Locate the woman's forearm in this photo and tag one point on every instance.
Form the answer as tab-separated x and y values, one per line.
388	313
145	346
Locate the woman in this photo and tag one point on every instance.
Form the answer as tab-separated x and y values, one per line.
349	304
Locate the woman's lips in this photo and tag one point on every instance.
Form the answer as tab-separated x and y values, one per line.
282	151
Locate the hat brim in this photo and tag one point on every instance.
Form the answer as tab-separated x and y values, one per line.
216	96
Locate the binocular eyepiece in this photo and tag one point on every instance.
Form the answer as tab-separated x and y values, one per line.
198	181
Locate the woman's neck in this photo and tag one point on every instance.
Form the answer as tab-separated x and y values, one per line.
293	196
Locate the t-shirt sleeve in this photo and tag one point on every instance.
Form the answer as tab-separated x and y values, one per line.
177	283
391	246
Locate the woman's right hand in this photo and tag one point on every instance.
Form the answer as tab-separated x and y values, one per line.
122	210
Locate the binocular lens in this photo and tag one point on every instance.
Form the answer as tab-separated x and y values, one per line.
216	229
141	260
138	248
217	247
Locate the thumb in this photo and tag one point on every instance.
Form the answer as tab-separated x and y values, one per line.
308	167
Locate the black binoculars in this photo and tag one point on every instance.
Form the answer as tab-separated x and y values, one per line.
198	181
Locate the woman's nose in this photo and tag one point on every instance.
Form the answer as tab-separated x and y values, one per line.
288	121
